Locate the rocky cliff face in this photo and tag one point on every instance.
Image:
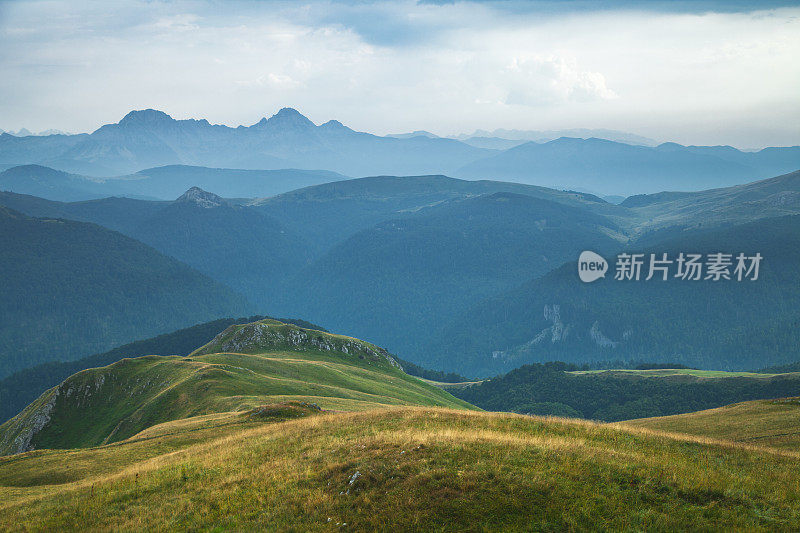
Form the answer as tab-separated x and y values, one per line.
20	432
559	332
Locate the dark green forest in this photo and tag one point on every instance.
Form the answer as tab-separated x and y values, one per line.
70	289
551	389
726	325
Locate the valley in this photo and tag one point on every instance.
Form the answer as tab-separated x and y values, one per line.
408	262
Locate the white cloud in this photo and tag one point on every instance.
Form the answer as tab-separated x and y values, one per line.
539	81
391	66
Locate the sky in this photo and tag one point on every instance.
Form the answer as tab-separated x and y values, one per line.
703	72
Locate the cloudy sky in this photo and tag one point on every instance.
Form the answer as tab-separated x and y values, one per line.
703	72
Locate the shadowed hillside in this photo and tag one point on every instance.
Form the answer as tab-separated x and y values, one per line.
71	289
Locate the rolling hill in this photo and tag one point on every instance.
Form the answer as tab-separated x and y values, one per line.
247	432
71	289
24	386
400	469
164	183
774	423
245	366
393	282
330	213
729	325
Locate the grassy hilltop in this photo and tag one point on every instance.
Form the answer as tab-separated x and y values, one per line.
773	423
245	366
274	426
401	469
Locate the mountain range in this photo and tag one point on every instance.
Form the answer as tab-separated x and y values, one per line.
149	138
395	280
609	167
239	246
406	262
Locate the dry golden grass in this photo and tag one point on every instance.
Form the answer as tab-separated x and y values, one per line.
419	469
762	423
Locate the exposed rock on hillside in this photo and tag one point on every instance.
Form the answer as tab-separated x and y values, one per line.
271	334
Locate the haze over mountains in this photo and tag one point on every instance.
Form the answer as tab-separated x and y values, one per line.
164	183
619	164
73	288
728	326
431	267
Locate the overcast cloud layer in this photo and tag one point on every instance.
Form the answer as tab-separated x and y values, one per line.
701	73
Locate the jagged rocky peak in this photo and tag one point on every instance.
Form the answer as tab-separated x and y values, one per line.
201	198
268	335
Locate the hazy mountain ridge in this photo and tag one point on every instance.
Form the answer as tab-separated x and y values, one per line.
165	183
330	213
610	167
350	244
71	289
729	325
623	166
542	136
679	211
151	138
393	281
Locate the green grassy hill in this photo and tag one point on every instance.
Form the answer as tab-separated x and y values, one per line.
22	387
241	368
399	470
774	423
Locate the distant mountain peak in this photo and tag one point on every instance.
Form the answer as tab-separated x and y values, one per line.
145	117
416	133
287	117
289	112
334	124
201	198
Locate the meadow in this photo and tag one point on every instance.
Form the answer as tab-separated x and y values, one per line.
407	468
